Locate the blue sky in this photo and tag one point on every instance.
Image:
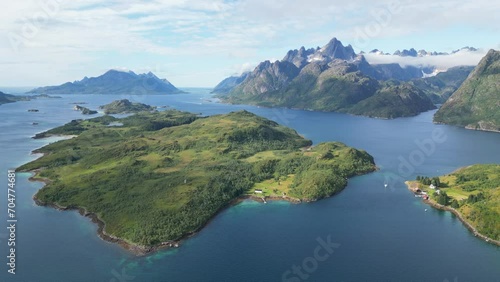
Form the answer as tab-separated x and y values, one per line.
198	43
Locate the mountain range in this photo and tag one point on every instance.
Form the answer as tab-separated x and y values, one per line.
421	53
332	78
476	104
113	82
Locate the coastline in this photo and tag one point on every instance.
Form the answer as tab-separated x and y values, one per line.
140	250
466	127
481	129
464	221
224	101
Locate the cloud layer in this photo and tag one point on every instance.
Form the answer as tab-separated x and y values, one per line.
441	62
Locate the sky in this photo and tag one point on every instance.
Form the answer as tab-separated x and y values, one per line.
197	43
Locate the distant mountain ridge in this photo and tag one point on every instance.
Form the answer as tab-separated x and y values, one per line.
421	53
331	51
332	78
335	50
476	104
113	82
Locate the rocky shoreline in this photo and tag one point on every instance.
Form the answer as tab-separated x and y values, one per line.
135	249
460	217
140	250
469	127
481	128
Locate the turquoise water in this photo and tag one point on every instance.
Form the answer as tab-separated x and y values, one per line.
383	233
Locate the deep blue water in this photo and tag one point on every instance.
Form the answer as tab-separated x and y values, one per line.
383	233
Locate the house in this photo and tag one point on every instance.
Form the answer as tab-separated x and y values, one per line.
258	191
432	186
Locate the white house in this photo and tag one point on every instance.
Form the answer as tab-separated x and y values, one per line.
432	186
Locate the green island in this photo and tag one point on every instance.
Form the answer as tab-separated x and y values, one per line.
160	176
125	107
472	193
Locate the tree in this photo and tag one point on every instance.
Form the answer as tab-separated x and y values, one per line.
442	198
436	181
454	204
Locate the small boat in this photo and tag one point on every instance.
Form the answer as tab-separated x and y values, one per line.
385	185
425	209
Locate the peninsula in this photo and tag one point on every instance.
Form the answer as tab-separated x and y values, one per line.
160	176
471	193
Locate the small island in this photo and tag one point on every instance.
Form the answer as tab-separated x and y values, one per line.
125	107
159	177
471	193
85	111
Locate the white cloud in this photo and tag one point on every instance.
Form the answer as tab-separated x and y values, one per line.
82	37
442	62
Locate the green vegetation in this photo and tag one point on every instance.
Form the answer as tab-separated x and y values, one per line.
393	100
475	104
473	191
159	176
428	181
125	107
